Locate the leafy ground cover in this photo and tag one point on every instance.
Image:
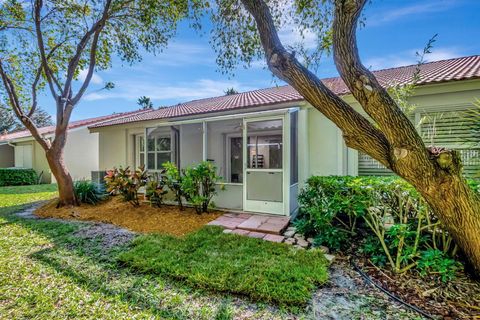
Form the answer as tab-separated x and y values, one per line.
261	270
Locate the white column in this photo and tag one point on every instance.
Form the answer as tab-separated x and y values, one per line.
204	133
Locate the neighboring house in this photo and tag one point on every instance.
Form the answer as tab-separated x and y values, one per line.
266	143
19	149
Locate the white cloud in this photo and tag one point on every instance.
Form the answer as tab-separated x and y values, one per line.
96	79
182	53
408	11
408	57
201	88
291	36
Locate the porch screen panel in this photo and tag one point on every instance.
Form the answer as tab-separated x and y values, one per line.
225	148
191	144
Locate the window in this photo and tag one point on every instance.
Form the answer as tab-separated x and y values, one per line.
159	148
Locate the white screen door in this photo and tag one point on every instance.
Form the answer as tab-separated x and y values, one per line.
264	166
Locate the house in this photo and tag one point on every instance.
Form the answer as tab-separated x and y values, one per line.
267	142
19	149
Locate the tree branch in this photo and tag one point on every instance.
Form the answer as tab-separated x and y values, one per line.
358	132
41	46
73	63
15	103
406	144
37	79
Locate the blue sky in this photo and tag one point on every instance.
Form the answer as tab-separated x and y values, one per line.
394	31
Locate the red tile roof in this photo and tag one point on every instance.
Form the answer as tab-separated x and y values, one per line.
433	72
72	125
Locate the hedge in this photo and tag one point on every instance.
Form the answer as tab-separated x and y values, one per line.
18	177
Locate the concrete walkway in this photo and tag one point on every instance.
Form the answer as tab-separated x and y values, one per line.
265	227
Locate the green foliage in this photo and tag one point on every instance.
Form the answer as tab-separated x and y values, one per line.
155	190
434	261
145	102
395	221
126	182
210	259
199	185
173	180
236	41
18	177
89	192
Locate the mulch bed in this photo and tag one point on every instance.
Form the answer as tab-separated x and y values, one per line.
455	299
145	218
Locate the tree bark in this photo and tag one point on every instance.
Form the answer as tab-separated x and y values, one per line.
393	140
55	158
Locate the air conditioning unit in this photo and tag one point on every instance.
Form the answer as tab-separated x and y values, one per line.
97	176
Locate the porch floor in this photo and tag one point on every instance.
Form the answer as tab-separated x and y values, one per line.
254	225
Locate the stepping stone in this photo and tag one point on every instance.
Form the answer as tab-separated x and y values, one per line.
227	231
258	235
265	224
241	232
273	238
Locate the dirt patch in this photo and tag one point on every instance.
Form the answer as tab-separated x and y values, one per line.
166	219
110	235
455	299
348	296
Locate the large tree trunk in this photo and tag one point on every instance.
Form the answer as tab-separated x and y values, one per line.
393	140
458	208
66	192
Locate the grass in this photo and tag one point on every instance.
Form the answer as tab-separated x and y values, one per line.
210	259
13	198
48	272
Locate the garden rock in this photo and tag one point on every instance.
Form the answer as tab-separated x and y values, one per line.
324	249
289	233
329	257
291	241
302	243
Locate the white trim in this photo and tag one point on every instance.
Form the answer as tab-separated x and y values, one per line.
204	141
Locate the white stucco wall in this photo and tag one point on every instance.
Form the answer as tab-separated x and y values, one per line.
113	148
81	153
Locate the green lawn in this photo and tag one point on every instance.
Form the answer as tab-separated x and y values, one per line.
210	259
47	271
12	198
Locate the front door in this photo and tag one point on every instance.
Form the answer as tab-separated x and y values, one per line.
264	166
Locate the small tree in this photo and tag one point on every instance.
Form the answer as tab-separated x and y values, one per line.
46	43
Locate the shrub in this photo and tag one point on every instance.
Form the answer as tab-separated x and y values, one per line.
89	192
397	224
198	185
173	180
126	182
435	261
154	191
17	177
